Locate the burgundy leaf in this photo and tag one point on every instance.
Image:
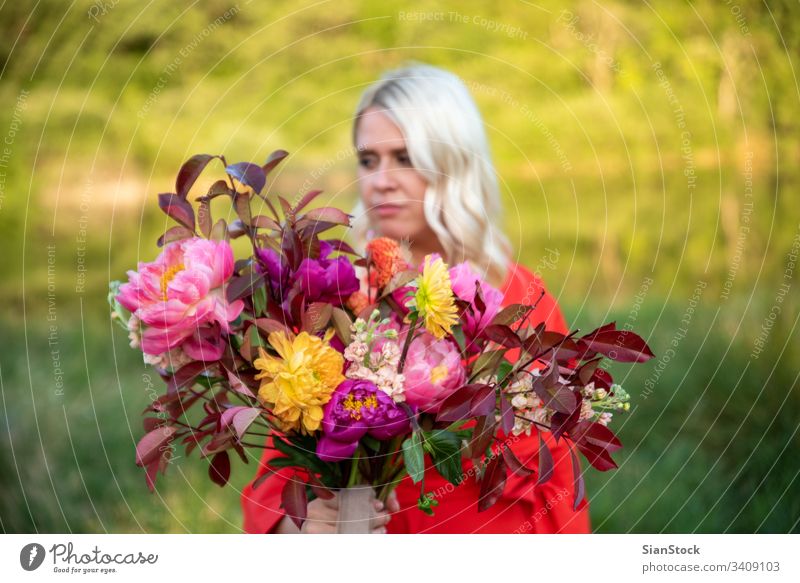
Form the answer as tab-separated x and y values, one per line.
268	325
153	444
493	483
241	202
238	386
306	200
511	314
264	222
483	402
175	234
320	490
482	435
341	246
596	455
619	345
458	404
545	462
220	469
506	415
503	335
249	174
177	208
602	379
262	478
243	285
516	466
273	160
189	172
294	500
341	324
185	375
586	371
329	214
595	434
317	316
577	480
150	473
204	218
561	399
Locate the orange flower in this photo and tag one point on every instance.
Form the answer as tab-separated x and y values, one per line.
357	302
387	260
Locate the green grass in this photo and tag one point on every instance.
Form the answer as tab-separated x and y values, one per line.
696	457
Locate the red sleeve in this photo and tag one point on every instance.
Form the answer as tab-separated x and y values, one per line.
551	502
261	506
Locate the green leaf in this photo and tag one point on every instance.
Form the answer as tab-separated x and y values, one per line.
427	503
503	370
260	300
445	450
414	457
371	442
458	335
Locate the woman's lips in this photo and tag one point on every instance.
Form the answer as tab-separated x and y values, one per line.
387	209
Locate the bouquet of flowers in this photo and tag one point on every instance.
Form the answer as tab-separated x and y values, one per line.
353	384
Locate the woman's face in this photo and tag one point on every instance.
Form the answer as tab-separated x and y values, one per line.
391	189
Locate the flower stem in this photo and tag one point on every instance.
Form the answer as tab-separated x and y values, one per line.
407	344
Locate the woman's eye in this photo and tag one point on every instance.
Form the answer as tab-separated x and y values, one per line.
404	159
366	161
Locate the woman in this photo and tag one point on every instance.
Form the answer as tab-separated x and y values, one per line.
426	178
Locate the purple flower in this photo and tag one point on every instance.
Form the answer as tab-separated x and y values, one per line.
318	280
357	408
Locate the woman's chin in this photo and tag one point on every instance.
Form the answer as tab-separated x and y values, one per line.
394	228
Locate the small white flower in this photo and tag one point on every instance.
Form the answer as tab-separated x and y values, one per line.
519	401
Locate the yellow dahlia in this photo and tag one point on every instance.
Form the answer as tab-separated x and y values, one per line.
434	299
300	380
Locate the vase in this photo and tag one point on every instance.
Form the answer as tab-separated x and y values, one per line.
356	510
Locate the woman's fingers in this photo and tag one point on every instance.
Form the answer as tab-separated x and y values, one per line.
392	504
380	519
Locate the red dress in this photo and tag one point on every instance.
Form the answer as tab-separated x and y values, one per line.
523	507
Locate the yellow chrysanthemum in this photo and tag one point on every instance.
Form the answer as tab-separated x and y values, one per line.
434	298
300	381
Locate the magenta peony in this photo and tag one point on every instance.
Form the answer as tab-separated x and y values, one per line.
179	298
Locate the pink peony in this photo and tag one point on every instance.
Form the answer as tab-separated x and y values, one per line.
463	281
433	370
179	299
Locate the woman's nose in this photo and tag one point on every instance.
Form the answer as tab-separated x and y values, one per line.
384	177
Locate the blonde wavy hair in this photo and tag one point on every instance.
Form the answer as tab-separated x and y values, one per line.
447	144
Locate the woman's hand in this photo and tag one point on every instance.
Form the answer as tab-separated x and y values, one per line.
322	516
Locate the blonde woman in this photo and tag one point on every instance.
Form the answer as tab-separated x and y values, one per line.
426	178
